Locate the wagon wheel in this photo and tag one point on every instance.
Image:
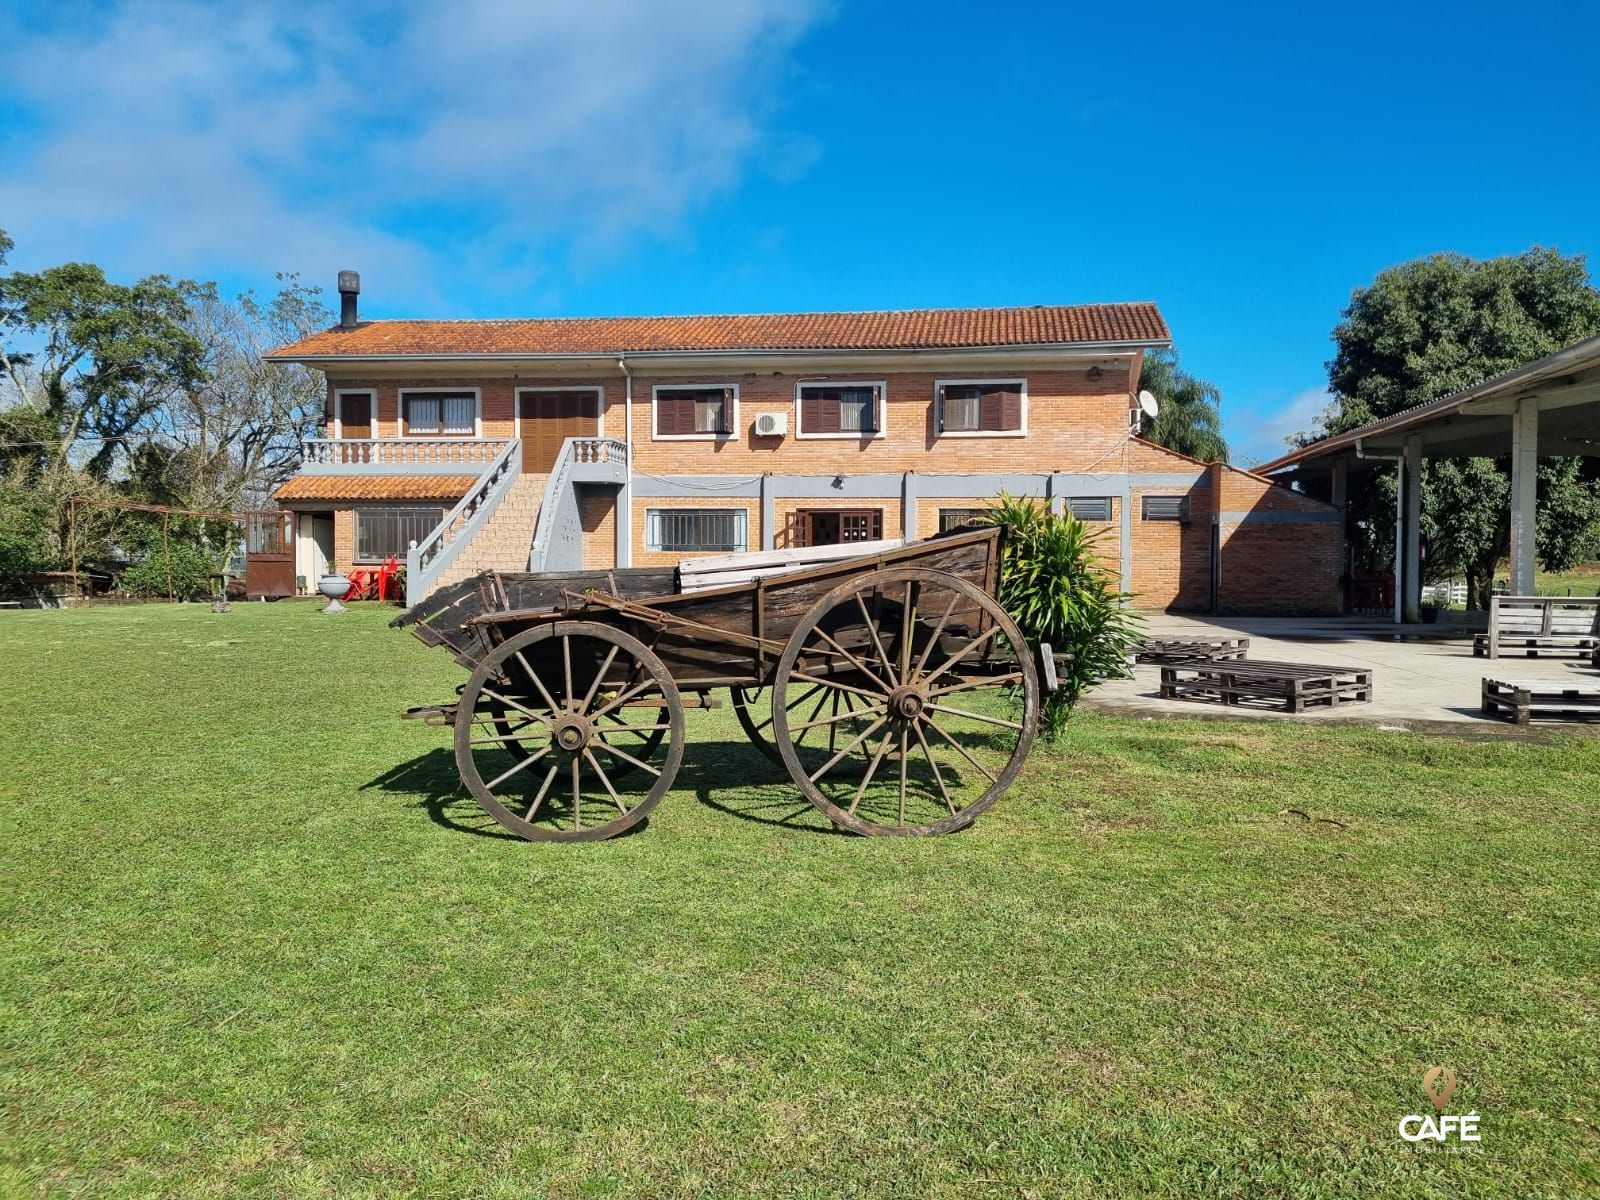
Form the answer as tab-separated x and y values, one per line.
946	685
580	700
754	711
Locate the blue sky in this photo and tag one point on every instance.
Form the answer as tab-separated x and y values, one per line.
1243	167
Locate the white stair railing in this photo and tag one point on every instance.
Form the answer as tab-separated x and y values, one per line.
427	560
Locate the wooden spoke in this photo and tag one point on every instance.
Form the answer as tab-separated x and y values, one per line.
566	670
513	704
833	720
515	767
903	738
605	780
834	683
629	727
872	770
500	739
622	698
962	750
594	687
544	790
938	775
877	642
933	639
544	693
972	716
626	757
577	792
907	608
982	639
980	681
828	766
854	661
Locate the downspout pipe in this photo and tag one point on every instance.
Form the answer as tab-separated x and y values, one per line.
1400	583
625	517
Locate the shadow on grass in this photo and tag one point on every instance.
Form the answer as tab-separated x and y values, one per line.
730	777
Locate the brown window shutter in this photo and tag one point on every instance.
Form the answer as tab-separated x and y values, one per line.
1011	408
810	411
831	422
989	406
878	415
725	425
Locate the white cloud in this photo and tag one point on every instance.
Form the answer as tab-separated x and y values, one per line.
1265	438
416	141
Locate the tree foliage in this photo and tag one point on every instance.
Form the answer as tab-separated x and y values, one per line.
1057	590
1427	328
154	392
1190	417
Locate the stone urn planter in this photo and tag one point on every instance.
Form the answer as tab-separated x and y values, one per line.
335	588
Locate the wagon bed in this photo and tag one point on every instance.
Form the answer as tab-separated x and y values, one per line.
890	685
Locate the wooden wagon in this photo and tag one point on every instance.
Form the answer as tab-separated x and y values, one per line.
891	686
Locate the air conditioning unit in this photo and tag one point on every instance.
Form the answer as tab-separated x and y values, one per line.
772	424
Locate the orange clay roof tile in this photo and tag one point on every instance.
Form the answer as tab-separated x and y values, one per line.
950	328
375	487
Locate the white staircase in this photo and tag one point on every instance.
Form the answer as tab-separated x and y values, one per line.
502	544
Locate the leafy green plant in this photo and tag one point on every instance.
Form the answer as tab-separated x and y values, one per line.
192	567
1054	587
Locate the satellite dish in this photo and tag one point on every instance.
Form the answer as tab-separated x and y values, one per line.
1148	405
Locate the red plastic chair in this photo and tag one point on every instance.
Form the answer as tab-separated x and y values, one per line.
388	586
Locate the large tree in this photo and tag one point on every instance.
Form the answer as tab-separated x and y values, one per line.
1428	328
1190	417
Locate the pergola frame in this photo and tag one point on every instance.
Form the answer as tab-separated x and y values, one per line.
1548	408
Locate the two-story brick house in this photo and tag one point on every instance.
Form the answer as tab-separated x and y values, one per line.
563	443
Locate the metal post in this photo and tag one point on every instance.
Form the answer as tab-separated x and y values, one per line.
1413	545
1524	494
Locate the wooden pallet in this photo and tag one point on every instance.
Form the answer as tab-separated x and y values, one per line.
1522	699
1183	650
1291	686
1535	625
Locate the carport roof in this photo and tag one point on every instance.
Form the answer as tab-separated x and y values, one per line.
1476	421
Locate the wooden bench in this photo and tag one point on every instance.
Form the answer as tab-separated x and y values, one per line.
1183	650
1535	625
1521	699
1293	686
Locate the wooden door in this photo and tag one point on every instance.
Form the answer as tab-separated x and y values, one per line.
355	415
548	418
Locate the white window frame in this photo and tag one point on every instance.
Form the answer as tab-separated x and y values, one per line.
883	417
938	410
699	508
655	415
400	412
338	408
599	403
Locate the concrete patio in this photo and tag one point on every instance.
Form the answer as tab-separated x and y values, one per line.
1422	674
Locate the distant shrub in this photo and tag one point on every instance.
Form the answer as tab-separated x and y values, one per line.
192	568
1056	590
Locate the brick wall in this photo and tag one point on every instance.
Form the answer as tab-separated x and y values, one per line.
597	512
1271	563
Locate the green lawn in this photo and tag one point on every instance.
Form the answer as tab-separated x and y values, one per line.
256	945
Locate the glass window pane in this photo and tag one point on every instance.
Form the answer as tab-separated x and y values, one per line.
855	410
695	529
422	414
460	415
383	533
961	409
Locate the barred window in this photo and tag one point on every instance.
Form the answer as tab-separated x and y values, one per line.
383	533
1090	508
452	414
690	529
956	518
1166	508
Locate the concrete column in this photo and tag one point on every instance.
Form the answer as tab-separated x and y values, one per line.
1412	608
769	513
1055	493
624	526
908	506
1341	485
1399	538
1524	495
